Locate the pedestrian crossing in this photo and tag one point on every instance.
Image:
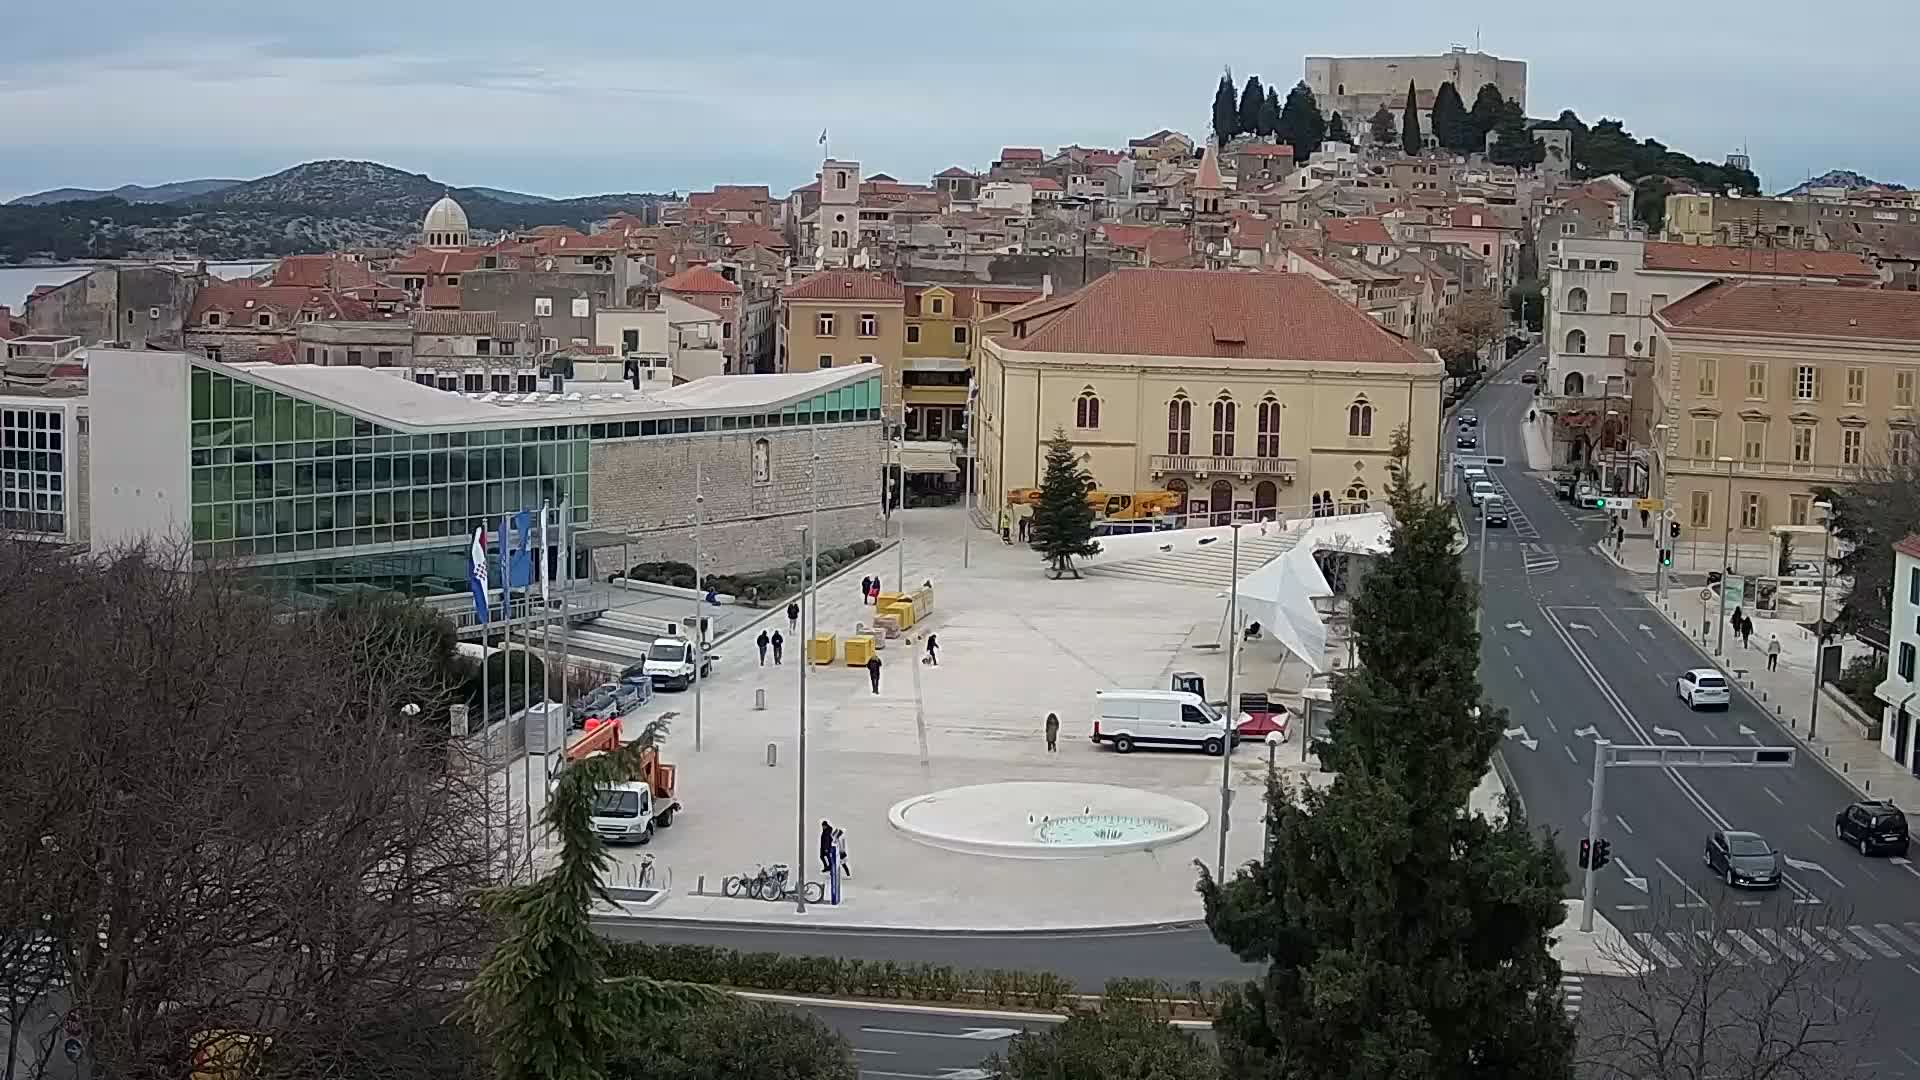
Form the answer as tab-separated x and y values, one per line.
1539	558
1762	945
1572	989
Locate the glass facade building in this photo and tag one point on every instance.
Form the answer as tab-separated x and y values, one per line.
33	471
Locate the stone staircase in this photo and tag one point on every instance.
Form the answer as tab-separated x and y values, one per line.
1211	568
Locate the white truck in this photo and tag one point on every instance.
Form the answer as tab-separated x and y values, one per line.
670	663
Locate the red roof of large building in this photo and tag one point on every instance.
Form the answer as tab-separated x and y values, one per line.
846	285
321	272
699	280
1162	243
1789	262
239	301
1357	230
1794	309
1908	545
1022	153
1218	314
1265	150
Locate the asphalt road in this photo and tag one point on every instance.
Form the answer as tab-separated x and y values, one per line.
890	1045
1574	653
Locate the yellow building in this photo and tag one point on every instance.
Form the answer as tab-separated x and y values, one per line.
840	317
1688	220
1262	393
943	330
1768	389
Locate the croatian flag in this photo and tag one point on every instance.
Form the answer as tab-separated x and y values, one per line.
477	574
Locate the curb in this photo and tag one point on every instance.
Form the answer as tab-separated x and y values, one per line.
1158	926
1015	1016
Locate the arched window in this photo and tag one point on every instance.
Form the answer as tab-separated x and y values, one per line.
1224	414
1576	299
1575	385
1360	419
1266	496
1358	495
1086	410
1220	502
1323	504
1179	425
1576	341
1267	442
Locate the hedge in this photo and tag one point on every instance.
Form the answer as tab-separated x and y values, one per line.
762	586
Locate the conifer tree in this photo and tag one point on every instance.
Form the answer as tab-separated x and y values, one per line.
1062	519
1301	125
1383	129
1451	127
1337	130
1226	114
1270	112
1252	100
1487	106
1410	140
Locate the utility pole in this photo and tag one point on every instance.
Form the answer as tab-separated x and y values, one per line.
698	639
1233	706
1820	624
1726	564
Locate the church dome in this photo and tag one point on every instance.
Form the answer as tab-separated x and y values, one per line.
446	224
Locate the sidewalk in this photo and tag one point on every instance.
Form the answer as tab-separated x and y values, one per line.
1839	743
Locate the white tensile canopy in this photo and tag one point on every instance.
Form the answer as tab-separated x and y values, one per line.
1280	595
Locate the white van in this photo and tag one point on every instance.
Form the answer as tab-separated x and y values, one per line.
1129	718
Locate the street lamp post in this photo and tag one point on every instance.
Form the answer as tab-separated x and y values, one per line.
697	641
900	490
1233	704
1726	567
1663	536
1480	575
810	570
1820	623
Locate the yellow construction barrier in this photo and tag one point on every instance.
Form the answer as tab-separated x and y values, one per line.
901	611
859	650
825	647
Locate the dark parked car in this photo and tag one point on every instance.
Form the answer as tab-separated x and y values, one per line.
1743	860
1496	513
1529	376
1469	418
1874	826
1466	441
1564	486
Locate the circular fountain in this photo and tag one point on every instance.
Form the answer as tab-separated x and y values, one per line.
1043	819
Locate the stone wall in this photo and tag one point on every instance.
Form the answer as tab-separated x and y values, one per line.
646	487
140	305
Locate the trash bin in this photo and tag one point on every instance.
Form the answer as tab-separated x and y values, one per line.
825	646
859	650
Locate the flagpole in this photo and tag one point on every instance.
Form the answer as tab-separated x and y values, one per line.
484	609
526	680
506	691
699	641
547	558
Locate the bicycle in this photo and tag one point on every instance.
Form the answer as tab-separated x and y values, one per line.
767	883
643	879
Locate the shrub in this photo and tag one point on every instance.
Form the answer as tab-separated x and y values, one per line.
764	587
1858	679
843	976
736	1040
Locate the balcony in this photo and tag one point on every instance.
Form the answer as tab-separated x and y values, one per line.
1769	470
1201	465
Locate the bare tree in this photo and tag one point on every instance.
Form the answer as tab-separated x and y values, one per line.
241	840
1731	993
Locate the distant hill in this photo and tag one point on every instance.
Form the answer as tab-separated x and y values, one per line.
132	193
318	206
1841	178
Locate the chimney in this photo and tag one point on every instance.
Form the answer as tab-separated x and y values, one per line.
1046	286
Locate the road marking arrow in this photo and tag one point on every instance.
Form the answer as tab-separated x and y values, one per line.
1520	626
1803	864
1669	733
1586	732
971	1034
1583	626
1637	882
1746	731
1647	630
1521	734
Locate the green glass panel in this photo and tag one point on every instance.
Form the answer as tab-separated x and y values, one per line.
202	394
222	523
202	434
222	482
303	516
303	478
262	416
322	423
202	486
202	524
303	420
242	482
323	515
222	397
342	426
243	523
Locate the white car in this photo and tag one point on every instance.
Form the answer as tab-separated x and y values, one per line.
1703	687
1482	490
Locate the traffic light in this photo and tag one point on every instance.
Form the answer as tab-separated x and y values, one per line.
1673	529
1586	853
1602	854
1599	502
1666	556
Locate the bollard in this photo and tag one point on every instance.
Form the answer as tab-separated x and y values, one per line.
1869	787
773	755
1843	768
760	699
700	885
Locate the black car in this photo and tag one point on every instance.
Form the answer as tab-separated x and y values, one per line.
1564	486
1469	419
1466	441
1743	859
1875	826
1496	513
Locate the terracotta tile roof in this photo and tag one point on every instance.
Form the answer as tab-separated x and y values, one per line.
747	234
425	261
1213	313
457	323
967	297
1471	216
1356	230
239	301
1908	546
1208	178
1273	150
729	197
1163	242
699	280
1022	153
440	296
280	352
1044	183
1792	309
846	285
321	272
1792	263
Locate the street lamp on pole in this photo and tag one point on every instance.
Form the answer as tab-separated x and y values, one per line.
900	489
1233	704
1726	566
1663	537
810	570
1820	623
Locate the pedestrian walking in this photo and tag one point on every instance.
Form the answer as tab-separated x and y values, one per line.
1053	732
866	591
1026	529
1746	634
826	846
793	617
873	672
777	642
933	650
840	852
1619	536
1643	519
1773	653
763	641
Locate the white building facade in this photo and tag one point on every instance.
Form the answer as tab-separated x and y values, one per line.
1900	692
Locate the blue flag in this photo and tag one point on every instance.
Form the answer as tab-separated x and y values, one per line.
516	551
477	575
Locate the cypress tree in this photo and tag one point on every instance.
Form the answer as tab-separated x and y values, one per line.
1301	125
1515	144
1487	106
1337	130
1451	127
1270	112
1410	140
1383	129
1404	936
1226	115
1252	100
1062	520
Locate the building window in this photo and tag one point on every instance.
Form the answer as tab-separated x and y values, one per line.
1906	660
1659	301
542	307
826	360
1899	445
1703	439
939	305
1576	299
762	462
1576	341
1086	410
1616	344
474	384
869	324
1753	510
213	353
1360	420
1856	385
581	307
1757	380
1903	388
353	357
1709	377
866	359
1753	441
1700	510
309	354
1803	444
959	335
1798	506
1913	586
913	335
1267	420
823	324
1851	440
264	319
1806	383
1180	425
1225	413
1616	303
484	346
213	318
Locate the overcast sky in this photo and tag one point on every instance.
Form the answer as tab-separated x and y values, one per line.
591	96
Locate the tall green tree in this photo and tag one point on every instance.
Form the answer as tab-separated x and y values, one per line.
1226	114
1451	127
1877	509
1301	125
1337	130
543	1000
1252	100
1487	105
737	1040
1382	127
1062	519
1515	144
1403	936
1122	1039
1270	112
1410	140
